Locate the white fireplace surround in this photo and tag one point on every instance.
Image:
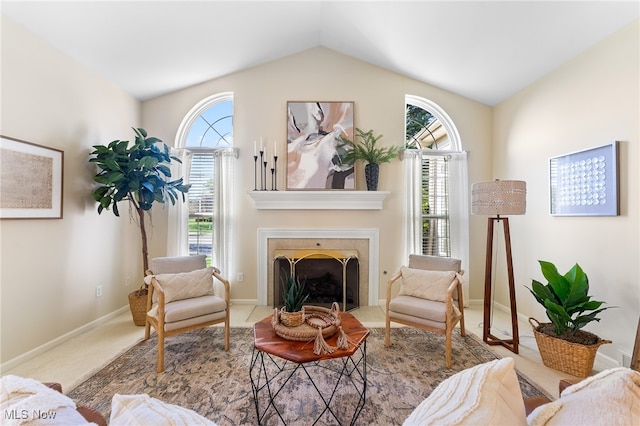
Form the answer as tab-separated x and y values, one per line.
264	234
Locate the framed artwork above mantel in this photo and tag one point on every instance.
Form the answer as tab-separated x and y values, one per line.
31	177
314	148
585	183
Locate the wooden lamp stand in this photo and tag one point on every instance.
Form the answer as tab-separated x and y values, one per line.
511	344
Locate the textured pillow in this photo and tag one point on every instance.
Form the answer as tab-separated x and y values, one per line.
129	410
187	284
611	397
487	394
431	285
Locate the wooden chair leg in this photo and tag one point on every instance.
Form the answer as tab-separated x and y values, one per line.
160	351
226	332
147	330
387	332
448	348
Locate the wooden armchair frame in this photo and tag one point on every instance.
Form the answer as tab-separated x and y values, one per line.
450	322
159	322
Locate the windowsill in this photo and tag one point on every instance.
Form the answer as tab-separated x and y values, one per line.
319	200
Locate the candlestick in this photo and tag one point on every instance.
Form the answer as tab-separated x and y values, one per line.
264	171
255	172
275	173
273	179
262	184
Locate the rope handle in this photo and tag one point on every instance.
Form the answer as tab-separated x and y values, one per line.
536	325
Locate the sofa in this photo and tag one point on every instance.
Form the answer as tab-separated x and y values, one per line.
489	394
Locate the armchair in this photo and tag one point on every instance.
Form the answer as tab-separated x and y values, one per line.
181	298
430	297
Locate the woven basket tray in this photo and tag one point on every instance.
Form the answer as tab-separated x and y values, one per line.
571	358
327	319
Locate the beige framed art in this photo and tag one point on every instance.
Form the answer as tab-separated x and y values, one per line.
30	180
314	148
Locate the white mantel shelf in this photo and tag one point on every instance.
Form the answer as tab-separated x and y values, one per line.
318	200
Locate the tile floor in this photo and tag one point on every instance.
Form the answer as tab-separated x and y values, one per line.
78	358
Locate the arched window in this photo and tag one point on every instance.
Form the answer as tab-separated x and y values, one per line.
436	191
205	145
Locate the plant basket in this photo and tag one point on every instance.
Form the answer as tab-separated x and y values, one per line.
571	358
138	306
291	319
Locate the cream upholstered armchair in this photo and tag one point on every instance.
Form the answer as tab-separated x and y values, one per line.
430	297
181	298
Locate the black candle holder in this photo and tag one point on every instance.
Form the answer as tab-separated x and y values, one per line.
274	171
262	184
255	172
264	175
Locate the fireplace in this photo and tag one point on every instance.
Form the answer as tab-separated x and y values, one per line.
329	276
365	242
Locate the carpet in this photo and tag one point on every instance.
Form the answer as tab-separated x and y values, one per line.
201	376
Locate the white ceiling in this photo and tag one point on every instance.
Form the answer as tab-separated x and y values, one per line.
486	51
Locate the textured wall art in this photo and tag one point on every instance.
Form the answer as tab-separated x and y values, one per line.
30	180
585	183
314	150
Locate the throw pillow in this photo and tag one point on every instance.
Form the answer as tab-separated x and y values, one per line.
431	285
487	394
187	284
128	410
611	397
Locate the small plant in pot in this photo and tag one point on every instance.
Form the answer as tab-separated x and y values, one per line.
368	151
562	343
294	297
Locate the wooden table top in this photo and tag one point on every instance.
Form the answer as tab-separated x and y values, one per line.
266	340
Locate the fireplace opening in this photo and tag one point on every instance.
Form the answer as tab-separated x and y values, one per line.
329	275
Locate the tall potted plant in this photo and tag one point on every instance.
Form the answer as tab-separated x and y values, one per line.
562	343
367	150
140	175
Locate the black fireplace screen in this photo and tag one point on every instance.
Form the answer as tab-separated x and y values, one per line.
327	279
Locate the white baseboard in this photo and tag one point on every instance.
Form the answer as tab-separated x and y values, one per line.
27	356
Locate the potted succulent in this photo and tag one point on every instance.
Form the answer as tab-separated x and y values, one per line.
562	343
367	150
138	174
294	297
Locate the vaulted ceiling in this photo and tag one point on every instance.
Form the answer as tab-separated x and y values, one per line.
486	51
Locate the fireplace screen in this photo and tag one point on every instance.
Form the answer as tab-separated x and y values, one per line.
330	276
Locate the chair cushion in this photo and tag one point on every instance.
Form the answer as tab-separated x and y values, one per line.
434	263
611	397
487	394
190	308
430	285
186	285
174	265
143	410
419	308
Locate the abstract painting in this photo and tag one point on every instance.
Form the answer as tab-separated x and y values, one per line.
31	180
314	148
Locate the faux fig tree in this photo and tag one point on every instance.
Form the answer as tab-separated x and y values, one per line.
137	173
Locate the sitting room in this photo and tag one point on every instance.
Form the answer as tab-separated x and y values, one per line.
261	121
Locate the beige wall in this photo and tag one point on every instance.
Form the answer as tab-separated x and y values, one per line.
590	101
261	96
50	268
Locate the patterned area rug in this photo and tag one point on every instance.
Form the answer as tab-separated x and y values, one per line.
201	376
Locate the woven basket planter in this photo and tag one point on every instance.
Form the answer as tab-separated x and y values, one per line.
138	306
291	319
571	358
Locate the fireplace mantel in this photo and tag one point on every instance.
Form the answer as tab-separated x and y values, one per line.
319	200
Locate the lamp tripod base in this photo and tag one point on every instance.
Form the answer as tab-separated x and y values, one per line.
487	337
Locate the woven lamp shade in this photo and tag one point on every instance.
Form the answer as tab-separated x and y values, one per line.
499	197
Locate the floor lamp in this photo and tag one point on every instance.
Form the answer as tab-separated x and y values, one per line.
500	197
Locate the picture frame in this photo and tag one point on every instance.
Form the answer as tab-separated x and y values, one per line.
314	147
585	183
32	180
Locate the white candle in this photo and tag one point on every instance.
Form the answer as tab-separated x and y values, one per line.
255	153
275	151
261	145
265	154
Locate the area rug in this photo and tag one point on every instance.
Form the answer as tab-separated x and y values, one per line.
201	376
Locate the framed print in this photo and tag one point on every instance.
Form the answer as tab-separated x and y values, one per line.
30	180
585	183
314	148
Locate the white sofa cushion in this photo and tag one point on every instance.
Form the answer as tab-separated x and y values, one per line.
134	410
610	398
487	394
